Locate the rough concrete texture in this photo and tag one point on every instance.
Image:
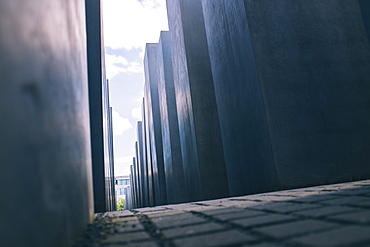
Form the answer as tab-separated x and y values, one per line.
154	124
201	146
174	171
292	85
365	9
243	124
45	171
331	215
141	168
145	155
146	117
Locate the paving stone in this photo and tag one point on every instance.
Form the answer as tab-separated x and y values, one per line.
365	204
222	211
190	207
346	200
285	207
119	213
191	230
176	221
362	216
263	220
325	211
346	236
214	202
126	238
225	238
290	229
275	198
243	204
353	192
239	215
128	227
131	219
152	209
140	244
263	245
164	214
332	215
315	198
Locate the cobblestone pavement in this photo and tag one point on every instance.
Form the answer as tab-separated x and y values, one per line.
331	215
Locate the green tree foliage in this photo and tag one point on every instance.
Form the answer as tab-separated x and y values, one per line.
121	204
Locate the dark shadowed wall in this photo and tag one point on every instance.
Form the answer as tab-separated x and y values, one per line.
297	73
45	160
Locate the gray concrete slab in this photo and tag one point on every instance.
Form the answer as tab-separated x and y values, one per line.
154	120
174	170
148	149
99	108
146	154
142	166
45	156
294	111
200	137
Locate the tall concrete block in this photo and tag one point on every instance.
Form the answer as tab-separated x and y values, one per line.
131	189
200	137
99	109
243	123
147	145
135	183
174	171
140	157
154	123
128	201
145	160
138	171
45	172
298	74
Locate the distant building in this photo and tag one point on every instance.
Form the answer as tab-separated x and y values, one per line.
122	184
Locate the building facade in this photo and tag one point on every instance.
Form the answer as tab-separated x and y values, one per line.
121	186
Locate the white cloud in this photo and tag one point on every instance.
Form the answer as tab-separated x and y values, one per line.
135	67
116	64
123	160
131	23
136	113
122	165
120	124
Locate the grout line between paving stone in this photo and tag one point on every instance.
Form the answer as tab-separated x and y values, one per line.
262	238
152	230
247	230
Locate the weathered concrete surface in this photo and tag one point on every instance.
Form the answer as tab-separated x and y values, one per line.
174	171
145	155
201	146
365	9
292	84
154	123
45	171
331	215
99	109
240	104
141	168
151	199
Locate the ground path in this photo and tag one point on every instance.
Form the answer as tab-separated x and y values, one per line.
330	215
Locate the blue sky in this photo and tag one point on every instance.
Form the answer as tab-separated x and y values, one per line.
128	26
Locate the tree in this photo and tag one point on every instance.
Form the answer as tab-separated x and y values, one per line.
121	204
